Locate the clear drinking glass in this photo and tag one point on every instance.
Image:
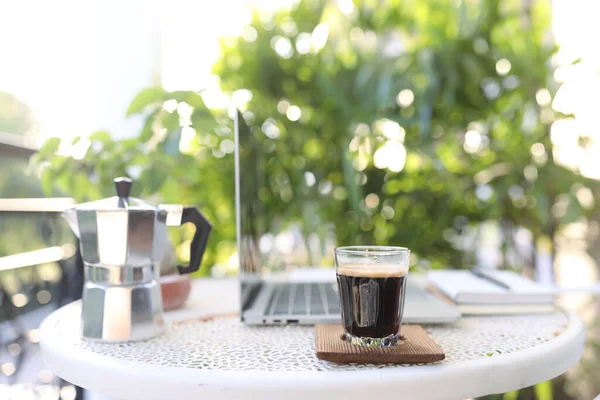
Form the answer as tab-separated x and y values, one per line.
372	286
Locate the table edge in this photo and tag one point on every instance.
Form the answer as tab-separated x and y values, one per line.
497	374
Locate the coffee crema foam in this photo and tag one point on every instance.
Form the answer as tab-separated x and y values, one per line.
372	270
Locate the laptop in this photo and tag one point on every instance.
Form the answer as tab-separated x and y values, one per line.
274	288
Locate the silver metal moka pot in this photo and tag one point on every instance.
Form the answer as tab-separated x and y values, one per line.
122	240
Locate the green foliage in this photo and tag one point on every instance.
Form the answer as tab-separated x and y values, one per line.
20	232
514	395
543	391
450	63
15	116
144	99
162	172
416	120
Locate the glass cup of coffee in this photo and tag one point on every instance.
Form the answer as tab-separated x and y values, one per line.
372	286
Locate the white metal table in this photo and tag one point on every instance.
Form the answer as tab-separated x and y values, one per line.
221	358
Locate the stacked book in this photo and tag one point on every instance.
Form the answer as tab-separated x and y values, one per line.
492	292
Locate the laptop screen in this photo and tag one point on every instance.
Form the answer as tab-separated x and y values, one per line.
280	226
248	205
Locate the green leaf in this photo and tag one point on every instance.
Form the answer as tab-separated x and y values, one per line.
204	121
543	391
51	146
144	98
84	189
171	122
47	182
514	395
542	207
101	136
154	178
195	100
146	133
577	61
192	98
574	211
34	160
179	95
349	174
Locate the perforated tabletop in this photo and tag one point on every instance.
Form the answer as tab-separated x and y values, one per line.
224	358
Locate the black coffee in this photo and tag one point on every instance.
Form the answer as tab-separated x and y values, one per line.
371	301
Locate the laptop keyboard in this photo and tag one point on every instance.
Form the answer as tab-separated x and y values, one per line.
304	299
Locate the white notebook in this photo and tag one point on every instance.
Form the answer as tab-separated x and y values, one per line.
506	309
465	288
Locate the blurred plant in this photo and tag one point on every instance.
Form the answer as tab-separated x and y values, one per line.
413	121
15	116
18	119
396	122
20	233
169	161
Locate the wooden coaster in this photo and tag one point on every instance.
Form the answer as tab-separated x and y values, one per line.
416	347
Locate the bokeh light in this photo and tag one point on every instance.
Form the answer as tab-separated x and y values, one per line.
309	178
392	130
282	106
405	98
19	300
472	141
303	43
387	212
530	172
319	36
484	192
250	34
293	113
345	6
282	46
14	349
503	66
543	97
68	392
8	369
538	150
392	155
170	105
270	129
372	200
43	297
80	148
34	335
46	376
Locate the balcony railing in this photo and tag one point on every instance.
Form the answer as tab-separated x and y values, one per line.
40	270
